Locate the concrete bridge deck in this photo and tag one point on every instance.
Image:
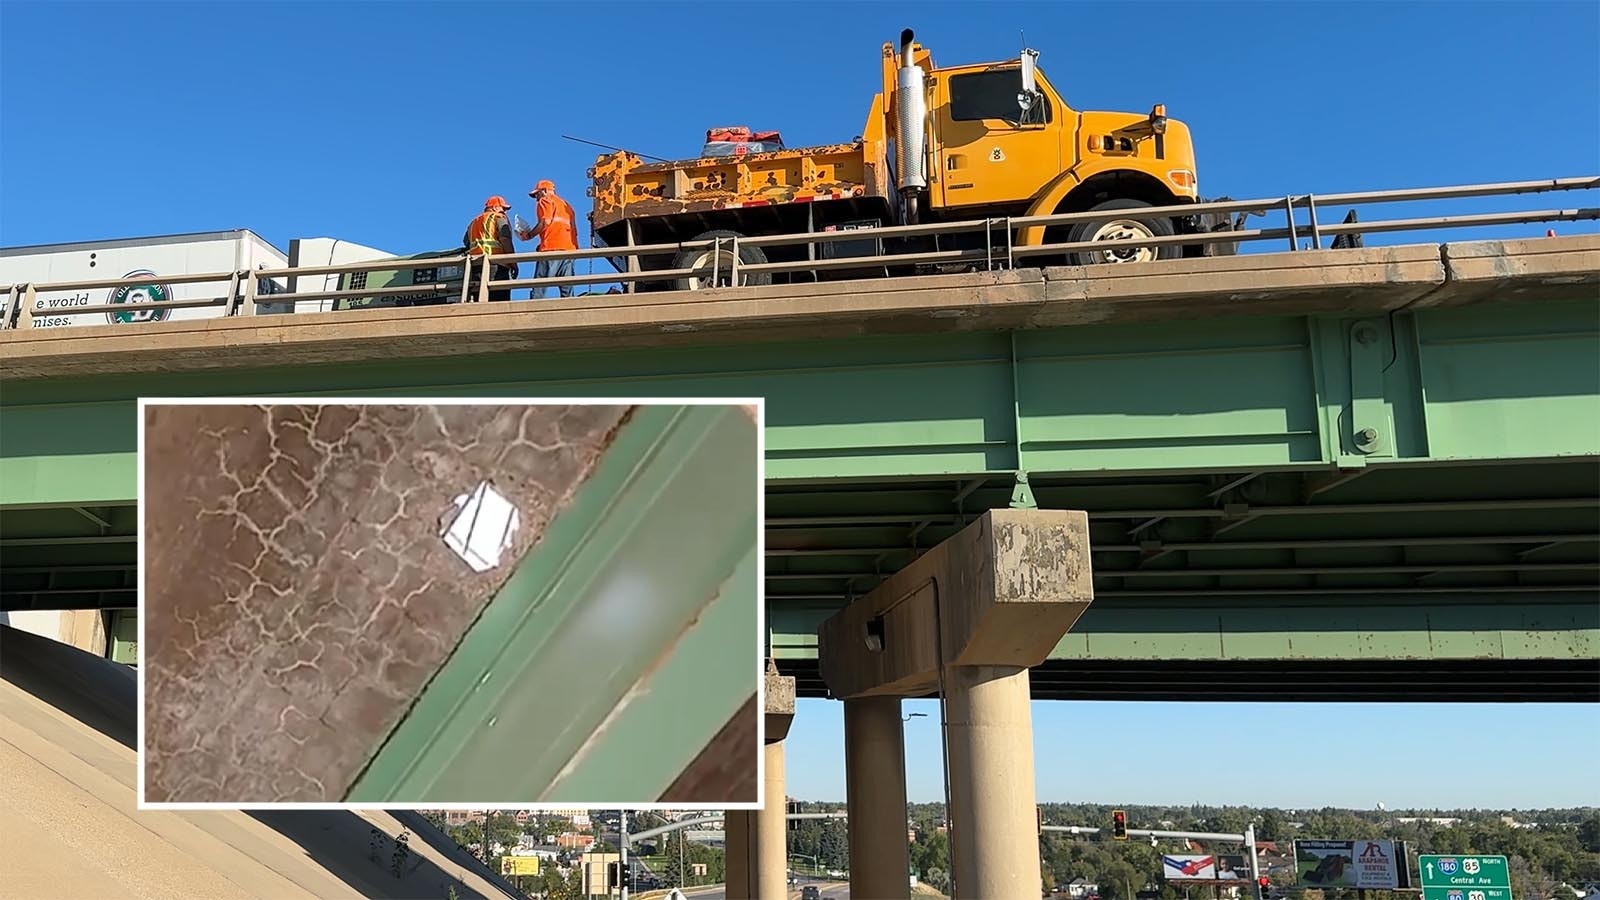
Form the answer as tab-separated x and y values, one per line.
1341	472
1367	281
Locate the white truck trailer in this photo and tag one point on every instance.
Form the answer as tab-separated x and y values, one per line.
155	257
164	256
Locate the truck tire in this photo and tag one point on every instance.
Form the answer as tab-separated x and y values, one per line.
1124	227
748	256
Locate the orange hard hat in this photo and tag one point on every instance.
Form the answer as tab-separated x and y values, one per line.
496	202
544	184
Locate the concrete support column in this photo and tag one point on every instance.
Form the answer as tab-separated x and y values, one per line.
994	834
740	844
757	858
772	830
875	786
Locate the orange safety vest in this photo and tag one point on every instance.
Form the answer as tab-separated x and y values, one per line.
484	233
558	233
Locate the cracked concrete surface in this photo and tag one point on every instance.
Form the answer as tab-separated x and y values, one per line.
297	595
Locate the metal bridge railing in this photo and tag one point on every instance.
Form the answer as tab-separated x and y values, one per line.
1001	250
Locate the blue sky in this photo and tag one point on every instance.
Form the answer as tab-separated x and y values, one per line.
1405	755
387	124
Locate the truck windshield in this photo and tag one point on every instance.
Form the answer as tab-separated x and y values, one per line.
992	94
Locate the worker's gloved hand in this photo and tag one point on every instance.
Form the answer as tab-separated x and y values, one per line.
514	270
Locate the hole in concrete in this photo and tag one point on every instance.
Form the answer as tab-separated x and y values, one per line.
481	527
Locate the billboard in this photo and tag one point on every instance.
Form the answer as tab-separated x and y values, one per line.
1348	864
1189	868
1205	868
519	865
1233	868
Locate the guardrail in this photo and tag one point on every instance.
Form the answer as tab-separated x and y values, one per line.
1000	250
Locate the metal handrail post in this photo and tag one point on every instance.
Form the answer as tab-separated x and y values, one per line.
231	299
1294	237
1011	243
13	299
252	286
29	298
716	260
1316	232
483	282
733	265
988	245
629	255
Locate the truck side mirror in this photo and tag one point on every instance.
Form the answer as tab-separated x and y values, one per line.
1028	97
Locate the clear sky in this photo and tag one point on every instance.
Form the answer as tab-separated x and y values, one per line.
387	124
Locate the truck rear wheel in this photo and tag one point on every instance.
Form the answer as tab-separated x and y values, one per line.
721	259
1122	228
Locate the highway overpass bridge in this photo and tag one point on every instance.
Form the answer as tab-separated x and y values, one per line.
1365	473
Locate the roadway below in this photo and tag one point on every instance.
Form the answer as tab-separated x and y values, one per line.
830	890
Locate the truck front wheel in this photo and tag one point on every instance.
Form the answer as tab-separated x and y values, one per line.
718	263
1122	227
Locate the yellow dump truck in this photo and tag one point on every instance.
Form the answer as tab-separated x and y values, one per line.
940	144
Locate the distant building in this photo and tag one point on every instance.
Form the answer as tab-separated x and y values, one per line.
1428	820
572	840
1082	889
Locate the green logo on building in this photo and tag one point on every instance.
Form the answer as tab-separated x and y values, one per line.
139	293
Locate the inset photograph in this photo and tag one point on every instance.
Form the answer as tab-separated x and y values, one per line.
393	602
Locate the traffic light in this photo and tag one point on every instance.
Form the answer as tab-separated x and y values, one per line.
1119	825
1263	883
613	876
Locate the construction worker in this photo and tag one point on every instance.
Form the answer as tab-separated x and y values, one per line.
490	232
556	231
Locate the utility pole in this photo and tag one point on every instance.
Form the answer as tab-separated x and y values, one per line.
486	814
622	870
1255	864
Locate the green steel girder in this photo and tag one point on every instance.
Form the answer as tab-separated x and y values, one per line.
1471	383
82	454
633	620
1220	444
1446	626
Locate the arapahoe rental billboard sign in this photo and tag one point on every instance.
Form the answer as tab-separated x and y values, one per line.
1349	864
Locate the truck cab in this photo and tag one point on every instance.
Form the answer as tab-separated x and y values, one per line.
1000	140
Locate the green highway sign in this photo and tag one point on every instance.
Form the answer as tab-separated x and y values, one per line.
1473	877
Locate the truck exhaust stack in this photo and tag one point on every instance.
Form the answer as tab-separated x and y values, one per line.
911	118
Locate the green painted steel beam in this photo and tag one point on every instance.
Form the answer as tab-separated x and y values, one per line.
1368	626
68	454
634	615
1481	382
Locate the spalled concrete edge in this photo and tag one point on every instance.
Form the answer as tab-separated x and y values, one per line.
1527	269
1302	283
779	704
1321	282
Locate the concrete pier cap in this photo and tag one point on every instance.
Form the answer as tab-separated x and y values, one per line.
779	704
1001	592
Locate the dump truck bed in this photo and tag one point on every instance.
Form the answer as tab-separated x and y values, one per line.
675	200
